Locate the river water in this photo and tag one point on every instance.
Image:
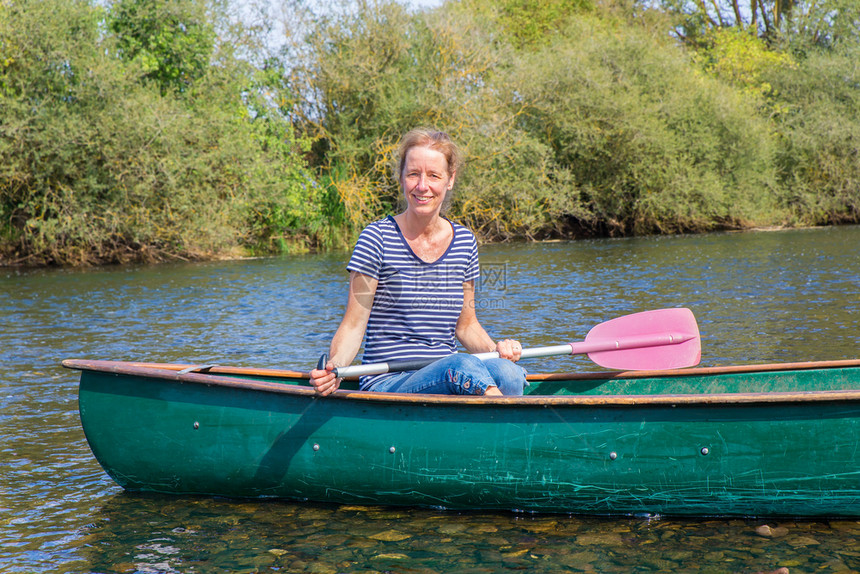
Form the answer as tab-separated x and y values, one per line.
759	297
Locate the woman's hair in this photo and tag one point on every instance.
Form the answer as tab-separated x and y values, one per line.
433	139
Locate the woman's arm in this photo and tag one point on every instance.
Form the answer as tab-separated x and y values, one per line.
469	330
347	339
473	336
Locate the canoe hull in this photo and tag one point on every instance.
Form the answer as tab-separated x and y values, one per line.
188	434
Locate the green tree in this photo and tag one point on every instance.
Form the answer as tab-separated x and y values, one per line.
170	40
126	138
528	23
744	60
804	65
602	127
652	145
818	133
100	167
816	22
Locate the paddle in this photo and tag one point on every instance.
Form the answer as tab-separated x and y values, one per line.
659	339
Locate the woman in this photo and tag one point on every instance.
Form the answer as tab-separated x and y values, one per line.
412	290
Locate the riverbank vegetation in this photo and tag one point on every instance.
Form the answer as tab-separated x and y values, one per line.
160	129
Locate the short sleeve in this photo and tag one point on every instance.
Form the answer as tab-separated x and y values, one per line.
367	254
473	268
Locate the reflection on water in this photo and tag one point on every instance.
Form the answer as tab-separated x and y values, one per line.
759	297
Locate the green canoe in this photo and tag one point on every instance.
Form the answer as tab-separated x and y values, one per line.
752	440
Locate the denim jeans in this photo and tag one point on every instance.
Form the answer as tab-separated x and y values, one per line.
457	374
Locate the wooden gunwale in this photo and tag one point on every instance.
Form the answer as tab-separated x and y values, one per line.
220	376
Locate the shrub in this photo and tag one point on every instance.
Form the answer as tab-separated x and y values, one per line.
101	163
818	159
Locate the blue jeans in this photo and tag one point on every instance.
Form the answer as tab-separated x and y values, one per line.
457	374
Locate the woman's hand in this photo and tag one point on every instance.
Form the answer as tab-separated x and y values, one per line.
509	349
347	339
323	380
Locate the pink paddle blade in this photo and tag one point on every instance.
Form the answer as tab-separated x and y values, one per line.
660	339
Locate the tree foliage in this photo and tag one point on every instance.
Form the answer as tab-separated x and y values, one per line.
585	131
104	161
818	156
590	121
530	23
170	40
153	129
653	147
741	59
801	66
821	23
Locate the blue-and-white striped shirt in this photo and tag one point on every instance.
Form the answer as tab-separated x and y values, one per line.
417	304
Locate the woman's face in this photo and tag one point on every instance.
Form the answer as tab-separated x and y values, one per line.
425	180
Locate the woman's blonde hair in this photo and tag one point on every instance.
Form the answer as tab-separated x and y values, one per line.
433	139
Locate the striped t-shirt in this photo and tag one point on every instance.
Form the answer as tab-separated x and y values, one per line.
417	304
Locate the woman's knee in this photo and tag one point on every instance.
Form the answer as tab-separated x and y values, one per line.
467	374
509	377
